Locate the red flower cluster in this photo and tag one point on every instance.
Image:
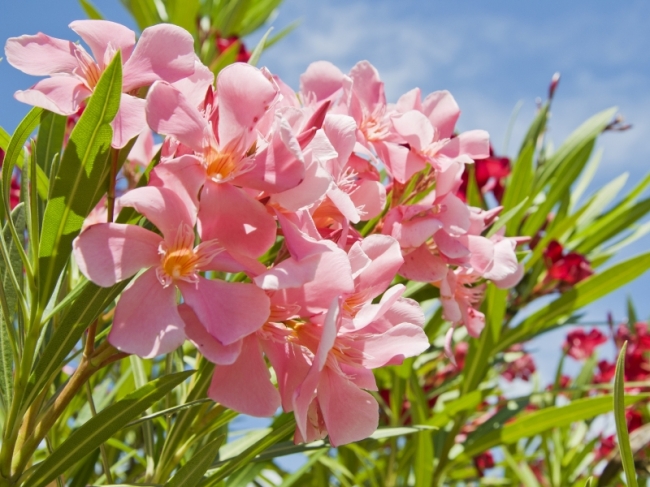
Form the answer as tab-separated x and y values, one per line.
490	174
523	367
580	345
567	268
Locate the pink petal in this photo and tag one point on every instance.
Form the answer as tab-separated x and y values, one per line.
350	414
238	221
341	132
290	365
228	310
415	128
411	100
279	166
405	310
322	78
146	321
443	112
41	55
107	253
454	214
170	113
386	258
208	345
451	247
245	386
300	235
99	34
129	121
184	176
314	185
164	52
367	86
504	262
344	204
475	144
161	207
393	346
370	197
143	150
245	95
60	94
422	266
195	86
401	163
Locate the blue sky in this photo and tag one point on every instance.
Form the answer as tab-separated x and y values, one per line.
490	55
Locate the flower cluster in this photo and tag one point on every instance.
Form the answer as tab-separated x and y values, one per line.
253	247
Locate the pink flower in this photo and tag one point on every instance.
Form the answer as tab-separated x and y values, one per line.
146	320
580	345
164	52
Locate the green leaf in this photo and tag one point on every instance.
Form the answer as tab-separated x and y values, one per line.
90	303
259	49
81	179
144	12
14	150
536	129
192	472
50	139
8	338
519	185
534	423
506	217
566	172
583	293
101	427
226	58
296	476
171	410
576	142
91	10
279	433
627	458
183	13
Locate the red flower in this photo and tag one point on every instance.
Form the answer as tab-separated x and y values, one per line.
520	368
607	445
606	371
568	268
483	461
224	43
580	345
490	174
634	419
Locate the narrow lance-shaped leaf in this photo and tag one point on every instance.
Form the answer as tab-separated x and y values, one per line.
50	138
534	423
81	178
85	309
582	294
627	458
192	472
101	427
10	297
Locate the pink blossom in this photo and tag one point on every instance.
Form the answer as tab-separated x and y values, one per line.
163	52
146	321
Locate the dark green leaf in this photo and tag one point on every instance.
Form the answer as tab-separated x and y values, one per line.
81	180
532	424
90	303
192	472
627	458
50	139
583	293
101	427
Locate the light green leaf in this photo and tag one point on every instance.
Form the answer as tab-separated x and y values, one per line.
144	12
14	150
566	171
506	217
101	427
50	139
90	303
576	142
183	13
259	49
91	10
536	129
171	410
583	293
192	472
8	345
627	458
294	477
534	423
519	185
81	179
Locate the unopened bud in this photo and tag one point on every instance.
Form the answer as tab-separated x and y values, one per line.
553	86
